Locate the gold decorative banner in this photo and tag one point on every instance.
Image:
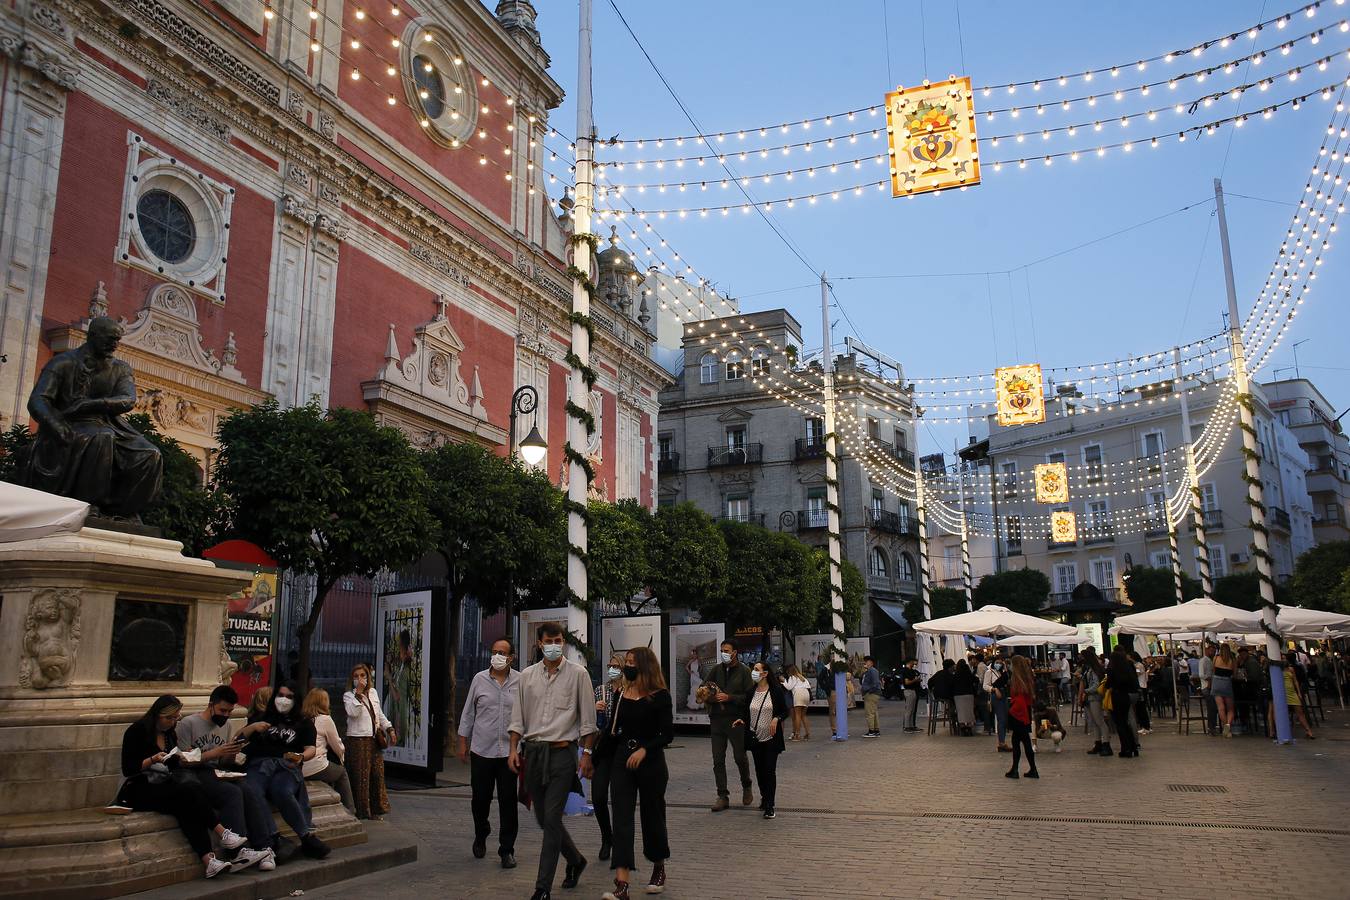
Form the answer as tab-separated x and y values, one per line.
1021	399
1052	483
931	129
1063	527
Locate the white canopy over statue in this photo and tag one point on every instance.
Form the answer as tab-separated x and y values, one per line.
26	514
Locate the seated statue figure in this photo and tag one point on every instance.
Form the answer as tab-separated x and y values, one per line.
84	448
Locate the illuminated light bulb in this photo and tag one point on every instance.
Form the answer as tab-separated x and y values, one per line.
356	45
267	13
1073	129
392	101
423	94
314	47
1063	81
1168	58
356	76
394	42
360	14
394	11
313	13
1172	84
427	38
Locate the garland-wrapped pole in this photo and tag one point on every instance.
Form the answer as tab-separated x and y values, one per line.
839	647
965	534
1193	493
1255	493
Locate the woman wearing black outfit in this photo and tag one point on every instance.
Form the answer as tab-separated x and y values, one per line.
642	724
964	686
605	695
769	705
1122	681
151	783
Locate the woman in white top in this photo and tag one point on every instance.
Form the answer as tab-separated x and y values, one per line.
326	766
799	689
768	706
365	761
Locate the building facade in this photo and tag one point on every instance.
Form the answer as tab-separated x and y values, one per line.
304	200
1301	408
739	452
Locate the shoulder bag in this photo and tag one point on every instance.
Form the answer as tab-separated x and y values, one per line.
381	736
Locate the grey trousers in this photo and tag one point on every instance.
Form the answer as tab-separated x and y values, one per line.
549	801
911	708
1095	717
335	776
721	737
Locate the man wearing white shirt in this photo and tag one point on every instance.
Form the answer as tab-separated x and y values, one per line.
485	744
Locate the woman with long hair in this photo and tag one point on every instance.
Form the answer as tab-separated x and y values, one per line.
605	695
1221	687
964	686
150	783
799	689
1090	698
365	760
1021	704
1121	681
259	702
1293	696
642	725
326	766
768	705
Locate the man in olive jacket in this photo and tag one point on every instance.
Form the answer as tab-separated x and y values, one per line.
725	707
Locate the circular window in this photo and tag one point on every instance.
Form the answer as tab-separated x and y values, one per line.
166	226
430	86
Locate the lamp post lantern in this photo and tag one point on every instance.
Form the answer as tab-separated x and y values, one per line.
533	448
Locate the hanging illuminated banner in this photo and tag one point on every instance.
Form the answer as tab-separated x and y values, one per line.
1052	483
931	129
1021	401
1063	527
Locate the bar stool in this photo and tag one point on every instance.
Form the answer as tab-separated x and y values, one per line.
1192	709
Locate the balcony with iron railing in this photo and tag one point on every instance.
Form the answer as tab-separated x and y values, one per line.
805	449
811	519
906	457
1098	534
1213	519
1014	546
743	518
1059	545
1155	526
740	455
1279	518
1058	598
668	463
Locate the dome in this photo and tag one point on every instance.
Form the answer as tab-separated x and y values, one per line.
615	259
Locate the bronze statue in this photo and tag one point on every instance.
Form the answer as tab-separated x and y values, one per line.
84	448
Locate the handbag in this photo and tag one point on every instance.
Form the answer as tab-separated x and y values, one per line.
604	747
381	736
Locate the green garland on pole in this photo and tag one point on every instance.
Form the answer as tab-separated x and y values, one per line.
584	416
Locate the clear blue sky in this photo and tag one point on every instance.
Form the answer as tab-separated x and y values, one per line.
747	64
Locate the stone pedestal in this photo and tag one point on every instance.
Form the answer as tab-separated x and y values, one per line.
93	627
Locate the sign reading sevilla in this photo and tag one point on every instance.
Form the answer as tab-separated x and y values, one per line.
932	137
1063	526
1052	483
1021	400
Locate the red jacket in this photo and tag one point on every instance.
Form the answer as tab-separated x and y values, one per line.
1020	708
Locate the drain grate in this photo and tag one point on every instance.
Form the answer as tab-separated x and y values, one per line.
1197	788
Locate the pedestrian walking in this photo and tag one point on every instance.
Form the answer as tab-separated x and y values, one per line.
825	684
554	713
1140	701
730	685
326	765
605	694
485	744
1090	696
642	726
997	677
871	691
1294	697
1121	682
912	679
1207	689
799	691
368	733
963	694
766	706
1021	704
1221	688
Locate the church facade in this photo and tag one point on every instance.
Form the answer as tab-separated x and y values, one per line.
300	200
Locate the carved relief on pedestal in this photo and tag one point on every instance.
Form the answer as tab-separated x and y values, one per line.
167	326
51	638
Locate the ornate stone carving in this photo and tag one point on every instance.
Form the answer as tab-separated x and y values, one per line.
327	125
298	175
425	254
167	326
432	370
533	332
48	18
295	104
98	302
49	65
329	194
51	638
171	411
184	107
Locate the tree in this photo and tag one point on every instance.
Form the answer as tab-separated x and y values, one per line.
855	590
1151	588
1020	590
1243	590
616	558
325	493
14	443
944	601
686	557
1318	575
771	581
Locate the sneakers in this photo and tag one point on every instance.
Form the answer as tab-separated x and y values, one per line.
1145	730
867	734
657	884
770	814
248	857
620	891
118	808
1228	731
269	861
314	848
231	841
215	865
721	804
748	798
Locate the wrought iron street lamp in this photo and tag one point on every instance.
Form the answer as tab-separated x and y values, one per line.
534	447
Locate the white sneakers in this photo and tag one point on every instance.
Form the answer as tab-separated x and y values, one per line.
215	866
269	862
231	841
248	857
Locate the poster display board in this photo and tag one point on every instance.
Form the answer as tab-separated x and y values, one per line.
527	634
622	633
406	659
812	657
248	635
693	652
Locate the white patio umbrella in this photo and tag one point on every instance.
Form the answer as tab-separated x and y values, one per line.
1199	614
1036	640
995	621
1292	621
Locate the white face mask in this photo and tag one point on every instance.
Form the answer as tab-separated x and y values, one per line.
724	657
500	661
756	675
285	704
614	673
553	652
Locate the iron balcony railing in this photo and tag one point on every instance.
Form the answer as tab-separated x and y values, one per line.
804	449
809	519
742	455
1098	534
668	463
743	518
1279	518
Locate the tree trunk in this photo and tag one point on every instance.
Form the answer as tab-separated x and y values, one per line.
305	633
452	602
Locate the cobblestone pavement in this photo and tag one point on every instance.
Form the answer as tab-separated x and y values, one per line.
918	816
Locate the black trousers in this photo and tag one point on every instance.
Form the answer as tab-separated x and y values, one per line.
1120	715
627	786
487	774
1021	738
600	796
184	800
766	770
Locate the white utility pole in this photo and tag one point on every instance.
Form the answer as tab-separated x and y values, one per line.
832	514
1193	490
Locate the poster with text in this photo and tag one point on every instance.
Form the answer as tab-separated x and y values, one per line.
693	653
248	635
527	634
622	633
403	671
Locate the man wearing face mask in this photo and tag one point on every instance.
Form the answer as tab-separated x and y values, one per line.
485	744
727	712
553	714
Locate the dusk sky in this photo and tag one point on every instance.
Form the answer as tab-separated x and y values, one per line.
988	276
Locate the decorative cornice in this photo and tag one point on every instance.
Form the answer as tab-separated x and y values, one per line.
186	108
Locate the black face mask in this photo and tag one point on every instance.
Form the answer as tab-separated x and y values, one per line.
220	720
630	673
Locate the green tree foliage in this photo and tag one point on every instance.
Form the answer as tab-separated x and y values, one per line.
1151	588
327	493
772	581
13	444
855	592
686	557
944	601
1020	590
616	554
1318	575
1243	590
